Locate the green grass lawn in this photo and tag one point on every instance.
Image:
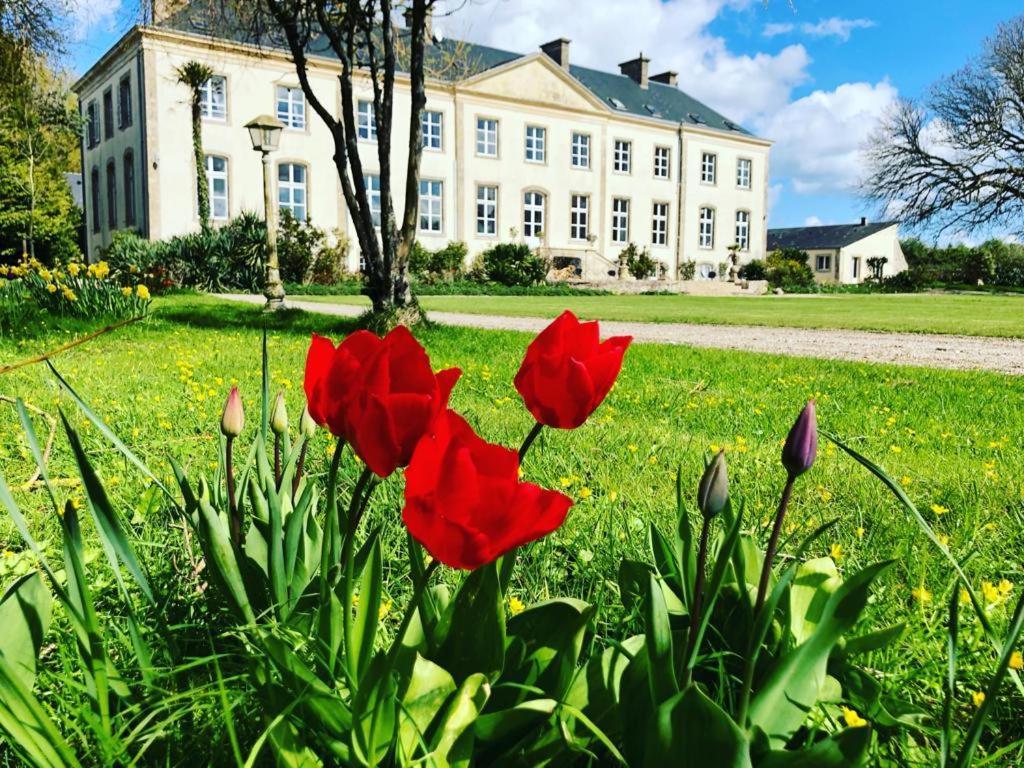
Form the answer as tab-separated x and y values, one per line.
975	314
953	437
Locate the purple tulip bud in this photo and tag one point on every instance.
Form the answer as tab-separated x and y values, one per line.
713	491
801	446
233	419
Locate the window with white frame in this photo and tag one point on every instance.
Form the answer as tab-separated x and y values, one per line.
291	189
708	167
580	150
661	162
706	228
486	210
486	137
659	224
372	183
432	124
620	220
743	170
217	183
366	124
213	98
533	214
291	107
579	217
431	205
622	156
823	262
536	138
743	230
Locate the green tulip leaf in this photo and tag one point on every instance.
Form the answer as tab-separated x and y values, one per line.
691	731
25	618
429	689
846	749
662	671
473	627
453	736
813	584
794	685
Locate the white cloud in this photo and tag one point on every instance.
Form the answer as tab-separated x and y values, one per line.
774	195
819	138
772	30
836	27
674	34
86	15
833	27
812	221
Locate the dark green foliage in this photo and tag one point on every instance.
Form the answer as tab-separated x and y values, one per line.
297	244
993	263
687	270
514	264
353	287
788	269
639	262
754	270
444	264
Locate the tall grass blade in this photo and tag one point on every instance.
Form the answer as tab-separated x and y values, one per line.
37	454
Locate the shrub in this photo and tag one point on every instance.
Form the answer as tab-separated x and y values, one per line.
298	243
687	270
639	262
514	264
330	265
231	257
754	270
788	269
446	263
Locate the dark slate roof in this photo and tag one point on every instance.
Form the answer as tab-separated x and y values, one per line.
830	236
617	92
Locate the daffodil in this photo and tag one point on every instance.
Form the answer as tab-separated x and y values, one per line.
142	292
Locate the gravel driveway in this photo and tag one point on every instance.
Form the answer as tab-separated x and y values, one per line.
927	349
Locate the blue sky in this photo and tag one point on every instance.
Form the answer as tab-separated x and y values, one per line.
812	75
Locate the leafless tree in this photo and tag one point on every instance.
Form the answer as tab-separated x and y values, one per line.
956	160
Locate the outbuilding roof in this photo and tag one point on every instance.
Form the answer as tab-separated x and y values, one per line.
823	237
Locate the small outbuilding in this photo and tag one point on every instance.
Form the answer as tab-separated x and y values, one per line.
845	253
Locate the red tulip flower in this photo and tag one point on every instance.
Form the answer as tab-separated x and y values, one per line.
568	371
381	395
464	501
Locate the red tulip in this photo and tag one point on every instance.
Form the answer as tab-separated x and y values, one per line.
381	395
464	501
568	371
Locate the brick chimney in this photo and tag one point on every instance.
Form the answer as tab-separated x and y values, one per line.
559	51
863	221
636	69
668	77
428	23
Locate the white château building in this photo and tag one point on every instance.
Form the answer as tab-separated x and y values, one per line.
529	147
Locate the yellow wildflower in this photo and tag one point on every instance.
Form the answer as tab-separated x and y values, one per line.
938	509
921	594
852	719
383	610
978	698
613	495
860	532
943	539
515	606
991	592
584	492
1017	660
836	551
1005	587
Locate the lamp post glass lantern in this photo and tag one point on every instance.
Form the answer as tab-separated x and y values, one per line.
265	134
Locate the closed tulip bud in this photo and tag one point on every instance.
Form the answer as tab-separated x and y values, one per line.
279	415
233	419
713	490
801	446
306	424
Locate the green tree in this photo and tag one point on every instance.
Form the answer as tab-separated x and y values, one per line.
195	75
39	136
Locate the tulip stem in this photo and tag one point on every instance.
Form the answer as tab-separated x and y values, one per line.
529	440
690	656
773	545
762	589
355	512
234	517
300	466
